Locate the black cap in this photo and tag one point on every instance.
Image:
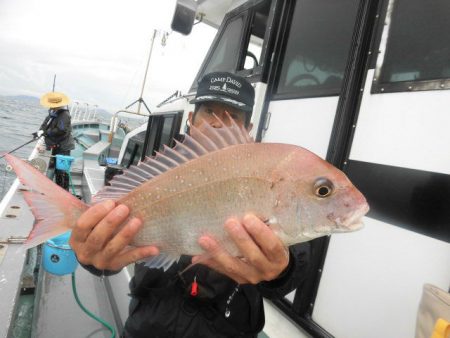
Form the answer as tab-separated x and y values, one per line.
228	88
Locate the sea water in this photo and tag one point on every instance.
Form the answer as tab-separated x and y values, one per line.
20	116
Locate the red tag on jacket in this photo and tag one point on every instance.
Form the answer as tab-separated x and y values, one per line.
194	287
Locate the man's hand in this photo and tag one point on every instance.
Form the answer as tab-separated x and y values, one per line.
38	133
264	255
99	239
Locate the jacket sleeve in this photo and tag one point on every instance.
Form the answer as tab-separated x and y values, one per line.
155	279
44	126
293	276
62	125
92	269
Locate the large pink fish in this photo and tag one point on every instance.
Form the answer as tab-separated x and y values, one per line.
190	190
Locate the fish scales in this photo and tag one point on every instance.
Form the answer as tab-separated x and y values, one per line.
177	222
197	179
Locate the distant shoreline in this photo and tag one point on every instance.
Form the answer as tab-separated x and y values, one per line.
21	97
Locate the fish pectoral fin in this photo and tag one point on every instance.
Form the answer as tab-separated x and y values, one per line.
163	260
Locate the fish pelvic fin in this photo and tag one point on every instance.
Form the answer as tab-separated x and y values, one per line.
203	140
199	260
55	209
163	260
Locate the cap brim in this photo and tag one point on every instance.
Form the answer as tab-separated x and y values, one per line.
233	103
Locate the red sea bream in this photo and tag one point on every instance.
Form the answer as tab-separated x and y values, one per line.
191	189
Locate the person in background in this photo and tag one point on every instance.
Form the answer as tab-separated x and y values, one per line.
220	297
57	131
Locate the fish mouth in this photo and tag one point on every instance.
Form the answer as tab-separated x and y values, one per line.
353	222
350	227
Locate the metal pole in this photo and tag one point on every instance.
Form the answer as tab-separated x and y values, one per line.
74	111
77	111
146	70
85	112
95	112
89	112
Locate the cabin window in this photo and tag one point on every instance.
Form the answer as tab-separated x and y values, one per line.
225	57
133	151
166	132
418	47
253	52
161	130
317	48
240	44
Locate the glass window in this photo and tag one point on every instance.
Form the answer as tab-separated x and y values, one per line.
418	46
134	149
240	45
258	27
317	47
162	129
166	133
225	56
152	135
253	53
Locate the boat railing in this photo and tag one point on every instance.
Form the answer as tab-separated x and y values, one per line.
83	112
115	122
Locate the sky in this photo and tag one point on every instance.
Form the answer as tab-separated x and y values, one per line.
98	50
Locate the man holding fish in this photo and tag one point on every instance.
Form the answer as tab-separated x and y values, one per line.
208	222
223	302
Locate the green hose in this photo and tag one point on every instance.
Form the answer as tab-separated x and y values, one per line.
105	324
71	183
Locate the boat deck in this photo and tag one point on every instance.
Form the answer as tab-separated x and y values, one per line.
38	303
57	313
16	222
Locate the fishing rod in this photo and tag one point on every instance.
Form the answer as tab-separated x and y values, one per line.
23	145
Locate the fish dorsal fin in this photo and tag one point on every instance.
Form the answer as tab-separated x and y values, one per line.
203	140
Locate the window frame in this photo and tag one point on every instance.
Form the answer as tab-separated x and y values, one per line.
247	11
156	123
231	17
379	87
300	308
132	148
304	93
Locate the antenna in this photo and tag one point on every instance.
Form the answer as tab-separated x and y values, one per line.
54	81
140	100
146	71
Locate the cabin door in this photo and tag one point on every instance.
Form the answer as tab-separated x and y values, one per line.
308	82
400	160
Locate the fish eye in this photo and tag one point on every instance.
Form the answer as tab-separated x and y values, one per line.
323	187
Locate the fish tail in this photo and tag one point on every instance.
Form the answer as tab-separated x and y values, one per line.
55	209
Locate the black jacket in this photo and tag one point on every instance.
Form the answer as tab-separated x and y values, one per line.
162	303
58	130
